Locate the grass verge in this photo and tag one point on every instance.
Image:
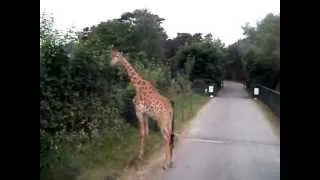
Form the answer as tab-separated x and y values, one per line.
272	118
109	158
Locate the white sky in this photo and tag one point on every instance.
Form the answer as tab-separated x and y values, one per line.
222	18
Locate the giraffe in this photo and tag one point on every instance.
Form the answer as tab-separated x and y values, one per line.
149	103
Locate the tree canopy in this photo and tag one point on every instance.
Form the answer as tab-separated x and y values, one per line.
260	51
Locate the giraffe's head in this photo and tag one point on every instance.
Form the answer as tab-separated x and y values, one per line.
115	56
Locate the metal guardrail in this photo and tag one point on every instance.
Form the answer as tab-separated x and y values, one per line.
268	96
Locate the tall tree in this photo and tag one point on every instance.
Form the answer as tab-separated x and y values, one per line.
260	51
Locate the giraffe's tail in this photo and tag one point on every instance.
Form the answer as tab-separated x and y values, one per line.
172	126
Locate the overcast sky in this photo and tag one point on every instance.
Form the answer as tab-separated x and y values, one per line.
222	18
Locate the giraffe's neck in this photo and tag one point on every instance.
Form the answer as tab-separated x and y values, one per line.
131	73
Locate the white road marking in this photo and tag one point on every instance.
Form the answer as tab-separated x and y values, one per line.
205	140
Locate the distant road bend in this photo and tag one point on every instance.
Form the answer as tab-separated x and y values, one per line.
230	139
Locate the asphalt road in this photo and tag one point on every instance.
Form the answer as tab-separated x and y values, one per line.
229	139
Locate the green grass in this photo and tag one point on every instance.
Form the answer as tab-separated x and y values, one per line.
110	157
186	107
273	120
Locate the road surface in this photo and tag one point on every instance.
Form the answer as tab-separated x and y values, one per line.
229	139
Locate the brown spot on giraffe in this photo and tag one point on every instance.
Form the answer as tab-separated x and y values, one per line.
149	103
134	78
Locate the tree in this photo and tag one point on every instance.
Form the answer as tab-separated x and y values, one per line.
260	51
147	33
208	57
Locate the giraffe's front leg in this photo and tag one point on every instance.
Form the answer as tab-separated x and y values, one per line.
142	133
146	125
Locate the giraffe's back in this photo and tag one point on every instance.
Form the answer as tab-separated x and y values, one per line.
153	104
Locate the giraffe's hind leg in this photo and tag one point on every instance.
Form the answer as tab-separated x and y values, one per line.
166	133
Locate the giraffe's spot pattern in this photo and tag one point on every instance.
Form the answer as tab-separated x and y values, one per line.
148	100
